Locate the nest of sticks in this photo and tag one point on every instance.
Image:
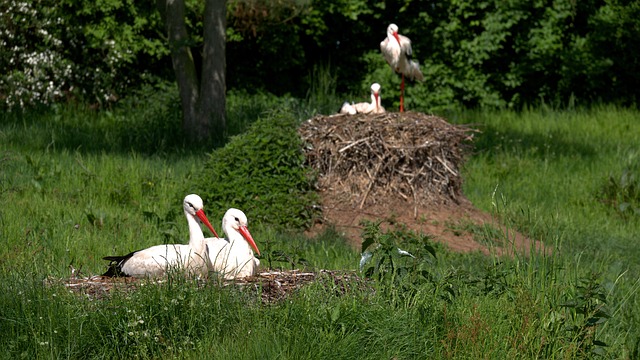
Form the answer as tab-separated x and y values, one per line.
367	158
271	286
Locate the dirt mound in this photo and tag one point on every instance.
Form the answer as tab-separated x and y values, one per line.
401	167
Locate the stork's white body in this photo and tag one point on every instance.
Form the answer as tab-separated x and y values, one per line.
397	51
233	257
374	107
160	259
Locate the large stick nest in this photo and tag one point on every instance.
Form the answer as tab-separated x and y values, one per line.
366	159
272	286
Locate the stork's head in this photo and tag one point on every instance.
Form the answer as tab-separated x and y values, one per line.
193	206
375	91
236	220
392	30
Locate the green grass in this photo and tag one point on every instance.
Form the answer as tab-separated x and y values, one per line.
76	185
543	170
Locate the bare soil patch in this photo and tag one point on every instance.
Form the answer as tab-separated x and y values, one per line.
404	168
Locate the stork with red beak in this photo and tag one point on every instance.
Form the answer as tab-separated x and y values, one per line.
374	107
232	257
397	52
158	260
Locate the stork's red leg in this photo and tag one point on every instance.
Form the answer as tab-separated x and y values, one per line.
402	94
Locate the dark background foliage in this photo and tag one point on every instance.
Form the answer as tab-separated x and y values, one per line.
490	53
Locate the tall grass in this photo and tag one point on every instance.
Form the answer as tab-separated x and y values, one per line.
76	187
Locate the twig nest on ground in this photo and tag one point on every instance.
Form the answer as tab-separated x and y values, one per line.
272	286
368	159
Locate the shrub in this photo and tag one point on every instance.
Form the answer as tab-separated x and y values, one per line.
261	172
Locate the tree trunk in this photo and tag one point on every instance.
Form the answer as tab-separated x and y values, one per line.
203	101
212	107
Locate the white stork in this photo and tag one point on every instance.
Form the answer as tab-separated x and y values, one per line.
366	108
157	260
397	52
232	257
374	106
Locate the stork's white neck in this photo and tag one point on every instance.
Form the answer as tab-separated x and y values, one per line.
196	236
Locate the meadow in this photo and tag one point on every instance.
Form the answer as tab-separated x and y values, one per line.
77	185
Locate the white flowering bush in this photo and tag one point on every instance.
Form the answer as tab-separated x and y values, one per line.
32	56
60	50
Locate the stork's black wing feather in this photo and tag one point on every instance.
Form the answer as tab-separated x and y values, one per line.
115	265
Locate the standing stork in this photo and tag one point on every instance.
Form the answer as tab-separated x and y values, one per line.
397	52
157	260
232	256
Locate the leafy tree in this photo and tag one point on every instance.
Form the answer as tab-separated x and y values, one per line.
615	33
514	53
264	48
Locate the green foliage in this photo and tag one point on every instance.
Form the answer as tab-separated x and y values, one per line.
265	50
616	22
292	250
244	107
261	172
43	320
508	54
35	70
340	33
622	193
474	54
485	234
584	314
489	54
550	165
401	262
148	121
321	97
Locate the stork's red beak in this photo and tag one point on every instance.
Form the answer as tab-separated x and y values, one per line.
377	101
247	235
200	214
395	35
